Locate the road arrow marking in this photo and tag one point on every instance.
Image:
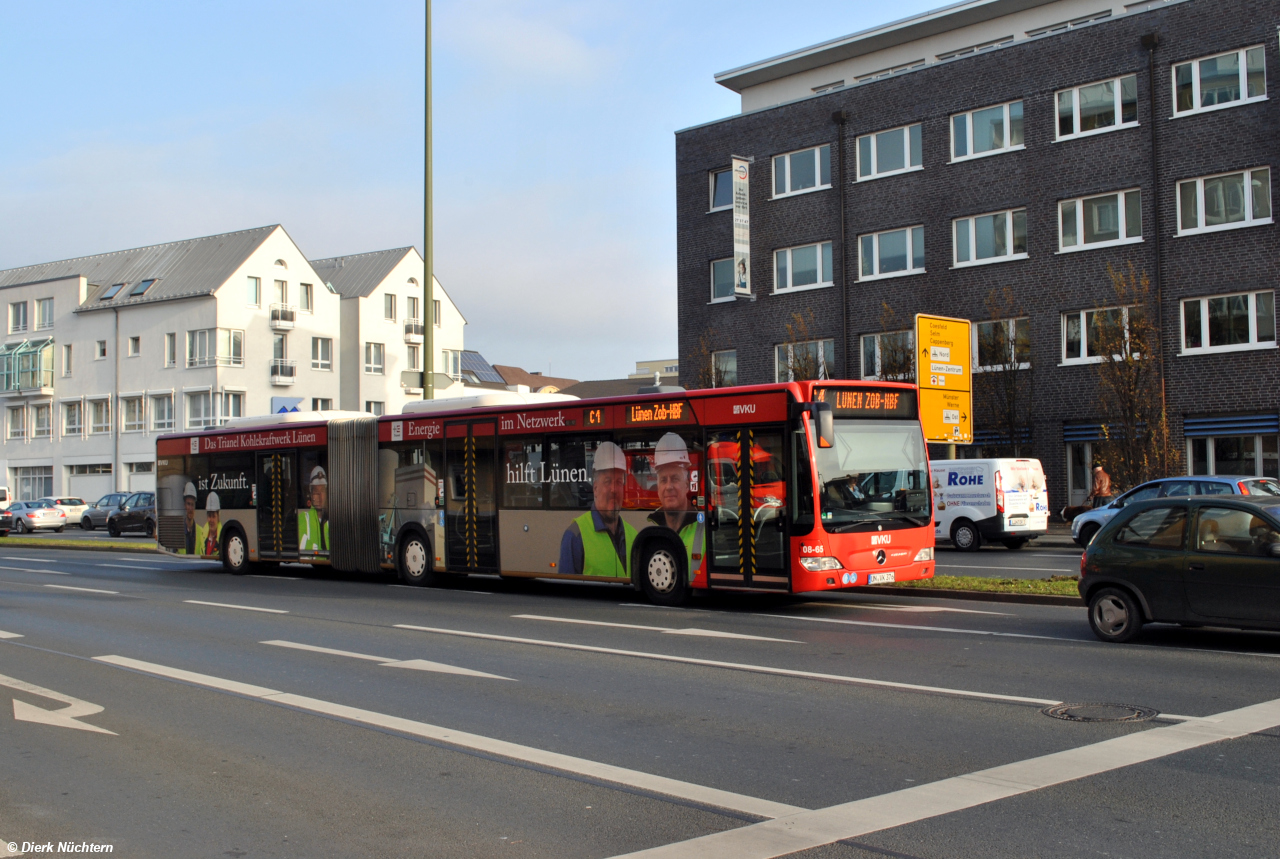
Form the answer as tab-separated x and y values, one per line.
665	630
64	718
387	662
83	590
4	634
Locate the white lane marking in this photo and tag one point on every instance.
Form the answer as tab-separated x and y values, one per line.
998	569
923	628
241	607
4	634
915	609
64	718
387	662
440	590
515	751
121	566
83	590
29	570
810	829
285	578
708	633
20	558
739	666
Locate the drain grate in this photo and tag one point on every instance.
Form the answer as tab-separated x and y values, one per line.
1100	712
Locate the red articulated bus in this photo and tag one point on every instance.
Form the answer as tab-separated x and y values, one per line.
803	486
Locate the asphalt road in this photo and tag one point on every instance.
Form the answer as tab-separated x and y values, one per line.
312	715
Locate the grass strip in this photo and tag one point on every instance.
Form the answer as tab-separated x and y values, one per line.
88	543
1054	585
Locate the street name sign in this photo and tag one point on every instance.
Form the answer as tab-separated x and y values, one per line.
944	374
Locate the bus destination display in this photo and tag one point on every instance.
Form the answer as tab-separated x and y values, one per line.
868	402
676	412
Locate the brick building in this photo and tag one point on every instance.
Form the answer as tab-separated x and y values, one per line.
989	160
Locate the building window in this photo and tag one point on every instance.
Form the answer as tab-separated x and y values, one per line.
282	292
209	347
805	266
42	421
1229	323
141	287
232	406
135	347
893	253
17	317
389	307
34	482
1002	344
321	404
141	467
255	291
199	410
1098	107
986	131
99	416
133	418
889	356
988	45
721	190
415	358
279	347
451	359
162	412
66	359
17	422
412	307
374	407
306	298
1224	202
882	73
170	349
807	170
722	280
1234	454
435	311
1236	77
1083	332
374	358
100	353
724	368
991	238
72	419
889	152
798	362
44	314
321	353
1095	222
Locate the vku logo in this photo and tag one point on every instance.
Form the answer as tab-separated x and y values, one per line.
881	539
748	409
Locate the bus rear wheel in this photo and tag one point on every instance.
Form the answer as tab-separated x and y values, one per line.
235	552
662	575
413	561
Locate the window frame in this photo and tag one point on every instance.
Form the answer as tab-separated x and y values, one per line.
973	239
171	349
47	410
254	297
43	324
1254	343
306	298
1011	337
158	421
208	419
319	361
134	346
1199	181
816	149
67	359
875	244
1008	125
371	367
1084	334
16	327
822	257
105	427
711	199
715	369
878	375
733	286
16	430
1119	125
100	350
389	307
139	424
375	407
825	369
70	430
1245	98
1122	207
873	137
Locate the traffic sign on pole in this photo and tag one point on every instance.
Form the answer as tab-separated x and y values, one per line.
944	374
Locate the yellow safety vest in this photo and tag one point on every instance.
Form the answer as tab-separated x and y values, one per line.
310	532
599	557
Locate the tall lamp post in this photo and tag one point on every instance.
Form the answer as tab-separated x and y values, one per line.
428	305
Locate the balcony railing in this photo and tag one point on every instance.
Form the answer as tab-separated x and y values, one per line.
283	316
26	367
413	331
283	372
215	360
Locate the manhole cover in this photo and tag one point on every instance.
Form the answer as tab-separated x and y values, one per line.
1100	712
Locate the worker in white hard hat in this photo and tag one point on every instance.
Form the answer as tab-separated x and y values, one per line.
598	543
313	520
675	482
207	534
189	522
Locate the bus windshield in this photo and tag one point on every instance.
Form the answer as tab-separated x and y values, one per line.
875	475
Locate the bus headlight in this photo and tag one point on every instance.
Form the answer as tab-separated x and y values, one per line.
818	565
924	555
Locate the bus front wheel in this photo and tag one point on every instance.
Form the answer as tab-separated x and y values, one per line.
235	552
413	562
662	575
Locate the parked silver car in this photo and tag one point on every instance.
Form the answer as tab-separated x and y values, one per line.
72	506
36	515
1087	524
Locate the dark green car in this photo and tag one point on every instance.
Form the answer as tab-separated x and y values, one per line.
1210	560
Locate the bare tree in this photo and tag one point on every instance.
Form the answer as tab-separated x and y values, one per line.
897	352
1135	420
706	374
805	360
1005	389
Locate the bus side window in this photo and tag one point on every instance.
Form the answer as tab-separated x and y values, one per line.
522	473
802	491
569	472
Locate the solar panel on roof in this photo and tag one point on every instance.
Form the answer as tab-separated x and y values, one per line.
482	369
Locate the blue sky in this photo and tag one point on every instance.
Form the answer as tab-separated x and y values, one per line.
143	122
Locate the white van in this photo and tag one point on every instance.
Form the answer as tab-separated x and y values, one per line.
989	499
5	498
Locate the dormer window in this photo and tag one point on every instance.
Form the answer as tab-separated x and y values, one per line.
112	290
141	288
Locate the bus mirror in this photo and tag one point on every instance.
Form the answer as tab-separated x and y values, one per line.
826	425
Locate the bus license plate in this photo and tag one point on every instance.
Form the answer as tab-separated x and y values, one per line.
1015	521
879	578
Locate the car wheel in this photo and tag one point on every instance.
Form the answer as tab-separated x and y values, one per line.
1015	543
662	575
1114	615
151	529
1087	533
413	561
86	524
20	526
113	529
58	530
235	552
965	536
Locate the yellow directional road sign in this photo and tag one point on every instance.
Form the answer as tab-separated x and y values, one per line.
944	369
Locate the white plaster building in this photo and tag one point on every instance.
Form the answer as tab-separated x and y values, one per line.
382	329
102	353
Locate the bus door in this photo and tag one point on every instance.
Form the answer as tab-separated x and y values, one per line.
747	508
277	503
471	498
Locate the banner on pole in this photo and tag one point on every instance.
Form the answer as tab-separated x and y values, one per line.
741	225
